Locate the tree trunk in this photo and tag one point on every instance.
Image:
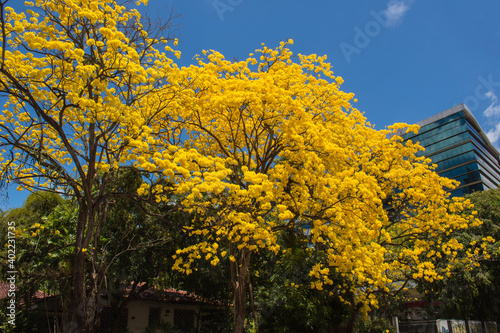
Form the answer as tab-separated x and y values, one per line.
240	279
352	318
78	296
83	299
91	309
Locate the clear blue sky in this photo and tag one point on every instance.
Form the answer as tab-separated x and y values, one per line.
405	60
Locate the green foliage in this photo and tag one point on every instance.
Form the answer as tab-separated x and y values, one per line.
36	206
131	242
374	325
474	292
285	299
220	321
26	321
43	244
136	247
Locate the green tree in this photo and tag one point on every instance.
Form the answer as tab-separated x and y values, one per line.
43	254
474	292
284	299
133	244
38	234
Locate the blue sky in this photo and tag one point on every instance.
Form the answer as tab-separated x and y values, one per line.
405	60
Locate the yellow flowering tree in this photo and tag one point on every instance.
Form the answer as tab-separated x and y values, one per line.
273	144
250	148
82	80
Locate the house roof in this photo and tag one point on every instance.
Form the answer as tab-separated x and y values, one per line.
5	289
150	294
169	295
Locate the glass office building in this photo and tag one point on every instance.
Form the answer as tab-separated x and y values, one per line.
455	142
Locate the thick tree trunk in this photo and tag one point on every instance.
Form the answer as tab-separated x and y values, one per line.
83	298
239	306
240	279
78	298
90	309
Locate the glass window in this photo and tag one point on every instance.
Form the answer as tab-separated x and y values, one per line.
460	170
453	157
436	123
442	133
443	144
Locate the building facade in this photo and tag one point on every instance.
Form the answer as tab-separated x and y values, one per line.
455	142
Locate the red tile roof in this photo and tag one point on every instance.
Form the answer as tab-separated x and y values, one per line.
5	288
169	295
150	294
